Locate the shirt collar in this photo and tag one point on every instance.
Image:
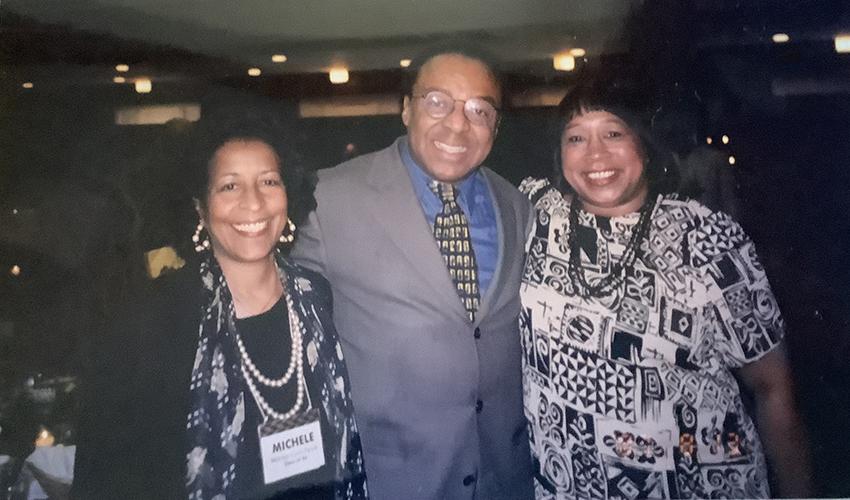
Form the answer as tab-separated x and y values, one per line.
421	180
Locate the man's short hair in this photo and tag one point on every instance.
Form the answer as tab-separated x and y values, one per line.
465	49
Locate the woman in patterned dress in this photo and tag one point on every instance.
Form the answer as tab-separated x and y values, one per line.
226	379
642	311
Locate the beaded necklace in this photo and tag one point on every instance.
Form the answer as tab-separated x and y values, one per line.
607	284
296	366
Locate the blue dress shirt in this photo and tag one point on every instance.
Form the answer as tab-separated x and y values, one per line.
475	200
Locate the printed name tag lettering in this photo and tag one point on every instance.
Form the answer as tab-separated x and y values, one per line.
291	448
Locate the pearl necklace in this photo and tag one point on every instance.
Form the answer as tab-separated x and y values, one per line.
296	366
294	356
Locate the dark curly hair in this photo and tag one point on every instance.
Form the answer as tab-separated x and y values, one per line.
228	125
633	104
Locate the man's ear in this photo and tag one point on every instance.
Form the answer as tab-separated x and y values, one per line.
405	110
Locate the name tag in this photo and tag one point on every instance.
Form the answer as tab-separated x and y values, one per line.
292	447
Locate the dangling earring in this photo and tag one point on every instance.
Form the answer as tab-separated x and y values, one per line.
200	246
290	237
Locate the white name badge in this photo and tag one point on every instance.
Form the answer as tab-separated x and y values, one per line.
292	447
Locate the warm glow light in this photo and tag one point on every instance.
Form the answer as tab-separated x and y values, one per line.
731	160
278	58
724	139
349	105
122	68
15	271
578	52
143	85
157	114
254	72
780	37
709	140
27	85
119	79
338	75
162	259
842	44
564	62
14	211
404	63
45	438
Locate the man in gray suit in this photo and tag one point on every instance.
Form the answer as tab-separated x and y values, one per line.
433	349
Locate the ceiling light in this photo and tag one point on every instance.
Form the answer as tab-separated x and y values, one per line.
404	63
578	52
15	271
338	75
143	85
278	58
842	44
254	72
27	85
780	38
709	140
724	139
119	79
564	62
122	68
731	160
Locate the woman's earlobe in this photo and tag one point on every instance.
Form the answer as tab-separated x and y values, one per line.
198	210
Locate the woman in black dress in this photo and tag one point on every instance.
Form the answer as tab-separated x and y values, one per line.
226	378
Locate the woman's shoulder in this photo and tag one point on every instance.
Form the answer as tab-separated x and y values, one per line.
308	279
684	206
157	307
530	186
177	287
710	232
543	195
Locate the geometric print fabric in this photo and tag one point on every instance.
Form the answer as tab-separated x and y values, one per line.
642	377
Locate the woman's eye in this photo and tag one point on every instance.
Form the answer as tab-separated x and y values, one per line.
574	139
615	134
230	186
272	182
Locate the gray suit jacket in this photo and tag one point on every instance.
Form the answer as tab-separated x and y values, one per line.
438	400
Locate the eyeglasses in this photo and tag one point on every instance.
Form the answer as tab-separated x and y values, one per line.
477	110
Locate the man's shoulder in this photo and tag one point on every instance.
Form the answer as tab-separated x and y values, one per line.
503	188
356	169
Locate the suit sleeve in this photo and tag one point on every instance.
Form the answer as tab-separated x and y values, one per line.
309	249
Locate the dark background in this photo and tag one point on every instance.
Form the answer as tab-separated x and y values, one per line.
82	199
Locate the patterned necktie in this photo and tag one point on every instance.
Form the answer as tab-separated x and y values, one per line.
452	234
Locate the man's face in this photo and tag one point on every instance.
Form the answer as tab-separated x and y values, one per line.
450	148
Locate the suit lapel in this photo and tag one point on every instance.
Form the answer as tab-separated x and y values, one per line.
395	209
506	226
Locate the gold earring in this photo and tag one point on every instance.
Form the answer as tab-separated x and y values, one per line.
200	246
290	236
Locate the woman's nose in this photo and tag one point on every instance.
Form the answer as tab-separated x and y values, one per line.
251	199
595	147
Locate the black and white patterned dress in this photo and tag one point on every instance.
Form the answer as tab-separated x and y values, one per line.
632	395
